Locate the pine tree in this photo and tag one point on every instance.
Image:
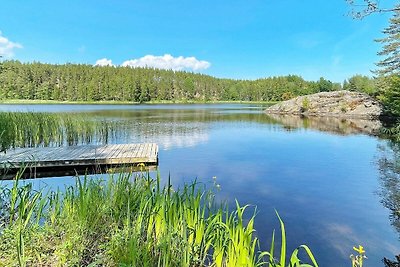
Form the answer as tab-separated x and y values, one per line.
391	47
389	67
391	97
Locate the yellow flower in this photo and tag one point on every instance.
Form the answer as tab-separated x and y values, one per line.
360	249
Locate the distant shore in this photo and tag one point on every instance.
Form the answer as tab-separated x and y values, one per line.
111	102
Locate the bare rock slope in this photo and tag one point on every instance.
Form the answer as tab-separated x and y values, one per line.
335	104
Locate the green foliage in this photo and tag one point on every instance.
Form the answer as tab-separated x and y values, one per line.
391	95
390	65
127	221
287	96
325	85
294	260
305	104
363	84
25	208
71	82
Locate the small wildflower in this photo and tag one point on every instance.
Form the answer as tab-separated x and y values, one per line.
357	260
360	249
141	166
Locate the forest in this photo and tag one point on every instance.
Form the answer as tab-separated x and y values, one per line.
79	82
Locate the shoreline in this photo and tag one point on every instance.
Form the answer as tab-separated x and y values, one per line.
111	102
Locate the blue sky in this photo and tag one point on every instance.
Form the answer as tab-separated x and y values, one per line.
245	39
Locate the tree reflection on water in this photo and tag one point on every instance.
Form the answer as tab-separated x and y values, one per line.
389	169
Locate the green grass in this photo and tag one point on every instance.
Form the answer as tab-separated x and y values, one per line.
129	220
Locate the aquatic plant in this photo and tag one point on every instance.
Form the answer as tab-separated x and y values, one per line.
33	129
294	260
129	220
25	206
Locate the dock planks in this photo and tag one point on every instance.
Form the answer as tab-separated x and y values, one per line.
75	156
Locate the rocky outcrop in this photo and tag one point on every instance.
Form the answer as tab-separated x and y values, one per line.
342	104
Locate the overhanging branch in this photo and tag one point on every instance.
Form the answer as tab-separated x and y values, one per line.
364	8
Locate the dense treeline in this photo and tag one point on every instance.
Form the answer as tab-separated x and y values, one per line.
363	84
73	82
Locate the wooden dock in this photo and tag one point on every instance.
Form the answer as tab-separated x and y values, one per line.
80	156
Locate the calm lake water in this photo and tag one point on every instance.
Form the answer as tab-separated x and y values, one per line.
324	178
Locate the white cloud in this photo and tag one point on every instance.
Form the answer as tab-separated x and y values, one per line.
168	62
7	47
104	62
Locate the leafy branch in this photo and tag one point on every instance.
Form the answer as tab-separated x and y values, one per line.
363	8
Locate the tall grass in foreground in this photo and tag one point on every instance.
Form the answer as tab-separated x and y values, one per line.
128	220
30	129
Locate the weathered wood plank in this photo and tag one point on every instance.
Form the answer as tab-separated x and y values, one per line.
121	150
117	156
52	152
146	149
88	153
71	153
132	151
114	151
141	151
81	155
136	152
154	151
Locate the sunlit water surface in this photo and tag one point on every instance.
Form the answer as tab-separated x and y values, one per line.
326	185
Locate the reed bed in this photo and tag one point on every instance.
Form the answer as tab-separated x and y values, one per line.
32	129
130	220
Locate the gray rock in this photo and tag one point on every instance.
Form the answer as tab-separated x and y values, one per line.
342	104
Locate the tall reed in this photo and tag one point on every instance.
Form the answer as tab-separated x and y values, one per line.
128	220
31	129
294	260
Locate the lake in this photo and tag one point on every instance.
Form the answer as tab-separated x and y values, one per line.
326	178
